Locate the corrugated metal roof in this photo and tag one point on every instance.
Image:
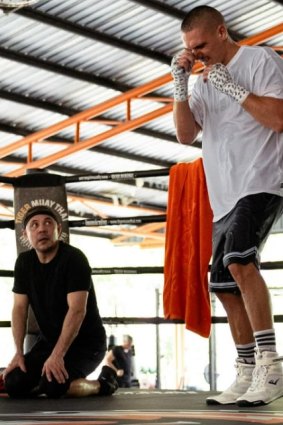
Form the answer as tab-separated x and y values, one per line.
60	57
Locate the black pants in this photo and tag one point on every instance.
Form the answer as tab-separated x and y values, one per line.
79	362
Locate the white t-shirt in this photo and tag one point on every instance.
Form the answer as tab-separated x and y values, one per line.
240	156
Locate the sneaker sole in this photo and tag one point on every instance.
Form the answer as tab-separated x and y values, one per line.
218	403
245	403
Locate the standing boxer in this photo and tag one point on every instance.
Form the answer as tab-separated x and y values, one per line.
238	105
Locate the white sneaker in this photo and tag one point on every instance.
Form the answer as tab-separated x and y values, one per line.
239	387
267	382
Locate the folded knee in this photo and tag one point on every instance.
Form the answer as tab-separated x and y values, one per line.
17	383
53	389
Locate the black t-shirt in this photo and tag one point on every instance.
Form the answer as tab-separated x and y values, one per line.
123	360
47	287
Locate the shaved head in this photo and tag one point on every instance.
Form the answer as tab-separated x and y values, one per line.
202	15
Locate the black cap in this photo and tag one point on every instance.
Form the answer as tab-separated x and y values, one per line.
39	210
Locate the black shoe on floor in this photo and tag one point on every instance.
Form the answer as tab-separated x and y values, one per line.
108	381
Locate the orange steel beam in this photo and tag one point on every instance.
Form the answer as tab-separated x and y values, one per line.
263	36
146	243
142	231
86	144
87	114
103	121
153	227
105	106
96	211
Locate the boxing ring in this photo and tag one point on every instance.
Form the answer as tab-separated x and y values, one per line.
131	406
135	408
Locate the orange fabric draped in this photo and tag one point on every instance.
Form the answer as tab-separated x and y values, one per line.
188	248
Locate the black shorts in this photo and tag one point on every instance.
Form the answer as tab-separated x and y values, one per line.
240	236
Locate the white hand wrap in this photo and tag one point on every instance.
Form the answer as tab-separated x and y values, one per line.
181	78
221	79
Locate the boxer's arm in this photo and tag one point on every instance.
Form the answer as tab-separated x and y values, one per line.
221	79
268	111
186	127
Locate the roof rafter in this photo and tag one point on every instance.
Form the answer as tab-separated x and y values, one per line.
66	71
174	12
162	7
62	70
92	34
68	111
127	125
6	128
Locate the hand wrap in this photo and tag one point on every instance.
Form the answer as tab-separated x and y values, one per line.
221	79
181	78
